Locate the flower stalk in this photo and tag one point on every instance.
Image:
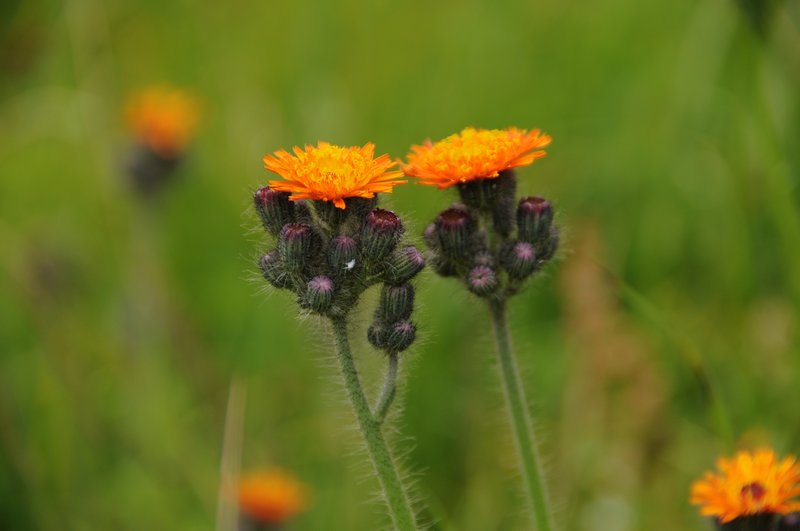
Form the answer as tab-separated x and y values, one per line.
524	434
396	499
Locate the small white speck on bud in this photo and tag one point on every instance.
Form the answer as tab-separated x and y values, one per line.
350	265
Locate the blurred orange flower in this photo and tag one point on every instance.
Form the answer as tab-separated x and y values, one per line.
163	118
331	173
474	154
747	484
272	496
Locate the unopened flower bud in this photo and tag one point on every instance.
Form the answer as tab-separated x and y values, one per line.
519	259
319	294
342	253
549	246
274	271
401	335
503	207
482	280
404	265
431	236
382	230
297	244
454	227
377	335
274	209
442	266
534	218
397	302
329	214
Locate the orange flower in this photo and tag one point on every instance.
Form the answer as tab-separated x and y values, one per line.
162	118
332	173
474	154
271	496
748	484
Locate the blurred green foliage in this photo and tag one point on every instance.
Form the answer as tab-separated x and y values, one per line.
668	332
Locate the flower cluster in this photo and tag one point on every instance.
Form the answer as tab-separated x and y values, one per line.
752	490
489	240
332	240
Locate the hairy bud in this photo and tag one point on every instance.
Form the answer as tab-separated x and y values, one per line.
397	302
377	335
382	230
342	253
534	218
549	246
519	259
503	207
274	209
274	270
319	294
482	280
329	214
454	228
400	336
404	265
297	244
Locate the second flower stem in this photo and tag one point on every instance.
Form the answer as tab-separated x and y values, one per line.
527	447
385	468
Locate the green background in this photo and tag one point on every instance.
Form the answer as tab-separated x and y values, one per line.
664	335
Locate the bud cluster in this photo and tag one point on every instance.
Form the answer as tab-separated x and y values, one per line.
491	241
329	256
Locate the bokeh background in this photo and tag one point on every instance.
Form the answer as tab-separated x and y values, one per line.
666	333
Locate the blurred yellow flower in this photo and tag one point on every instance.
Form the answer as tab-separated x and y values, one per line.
271	496
747	484
474	154
331	173
163	118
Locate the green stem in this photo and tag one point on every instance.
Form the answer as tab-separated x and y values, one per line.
520	420
389	389
394	494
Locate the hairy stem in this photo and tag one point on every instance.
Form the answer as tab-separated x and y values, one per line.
527	447
391	486
389	389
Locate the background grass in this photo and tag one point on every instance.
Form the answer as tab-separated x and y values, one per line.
666	334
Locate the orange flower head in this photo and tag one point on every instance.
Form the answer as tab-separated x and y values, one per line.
163	118
332	173
474	154
271	496
747	484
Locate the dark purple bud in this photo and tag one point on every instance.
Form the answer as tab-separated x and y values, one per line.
534	218
431	237
342	254
382	231
482	280
329	214
547	249
519	259
455	228
274	209
377	335
274	271
404	265
503	207
319	294
297	244
400	336
397	302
